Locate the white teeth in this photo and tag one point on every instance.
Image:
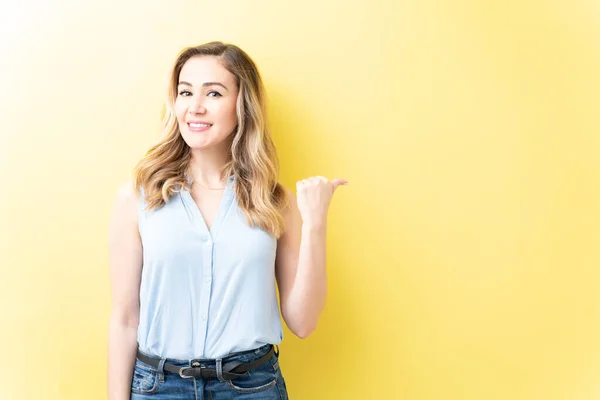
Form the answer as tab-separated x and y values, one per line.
192	125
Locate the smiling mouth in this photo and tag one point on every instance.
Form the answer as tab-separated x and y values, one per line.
198	126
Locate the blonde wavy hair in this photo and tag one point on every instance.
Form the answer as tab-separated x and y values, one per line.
252	158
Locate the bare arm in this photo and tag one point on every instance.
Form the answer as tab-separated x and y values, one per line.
301	271
300	264
125	253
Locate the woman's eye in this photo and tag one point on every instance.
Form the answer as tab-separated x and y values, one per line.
185	93
217	94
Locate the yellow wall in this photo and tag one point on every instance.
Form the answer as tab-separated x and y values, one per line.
463	256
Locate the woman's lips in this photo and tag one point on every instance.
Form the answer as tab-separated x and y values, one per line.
198	127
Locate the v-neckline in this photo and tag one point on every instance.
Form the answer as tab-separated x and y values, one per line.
199	221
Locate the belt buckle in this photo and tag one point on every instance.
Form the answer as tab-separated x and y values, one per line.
194	365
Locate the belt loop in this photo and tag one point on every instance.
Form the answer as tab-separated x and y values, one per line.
276	351
220	369
161	372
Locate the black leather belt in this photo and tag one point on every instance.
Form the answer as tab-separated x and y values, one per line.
231	369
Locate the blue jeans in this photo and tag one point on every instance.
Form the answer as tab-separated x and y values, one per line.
264	382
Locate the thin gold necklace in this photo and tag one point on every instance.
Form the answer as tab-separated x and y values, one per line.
206	187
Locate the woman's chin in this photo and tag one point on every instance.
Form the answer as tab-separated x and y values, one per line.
197	142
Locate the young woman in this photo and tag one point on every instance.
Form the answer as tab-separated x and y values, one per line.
202	236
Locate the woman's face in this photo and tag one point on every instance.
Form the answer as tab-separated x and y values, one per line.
206	102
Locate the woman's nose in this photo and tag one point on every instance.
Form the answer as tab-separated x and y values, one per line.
196	107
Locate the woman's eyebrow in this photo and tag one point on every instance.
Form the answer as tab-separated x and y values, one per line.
205	84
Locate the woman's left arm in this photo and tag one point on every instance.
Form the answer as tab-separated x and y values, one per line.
300	264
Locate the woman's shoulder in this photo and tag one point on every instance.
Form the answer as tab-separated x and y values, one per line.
288	205
127	195
289	194
125	207
127	192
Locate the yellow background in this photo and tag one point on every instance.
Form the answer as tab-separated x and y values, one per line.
463	256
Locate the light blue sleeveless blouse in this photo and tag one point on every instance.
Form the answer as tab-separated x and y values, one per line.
205	293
